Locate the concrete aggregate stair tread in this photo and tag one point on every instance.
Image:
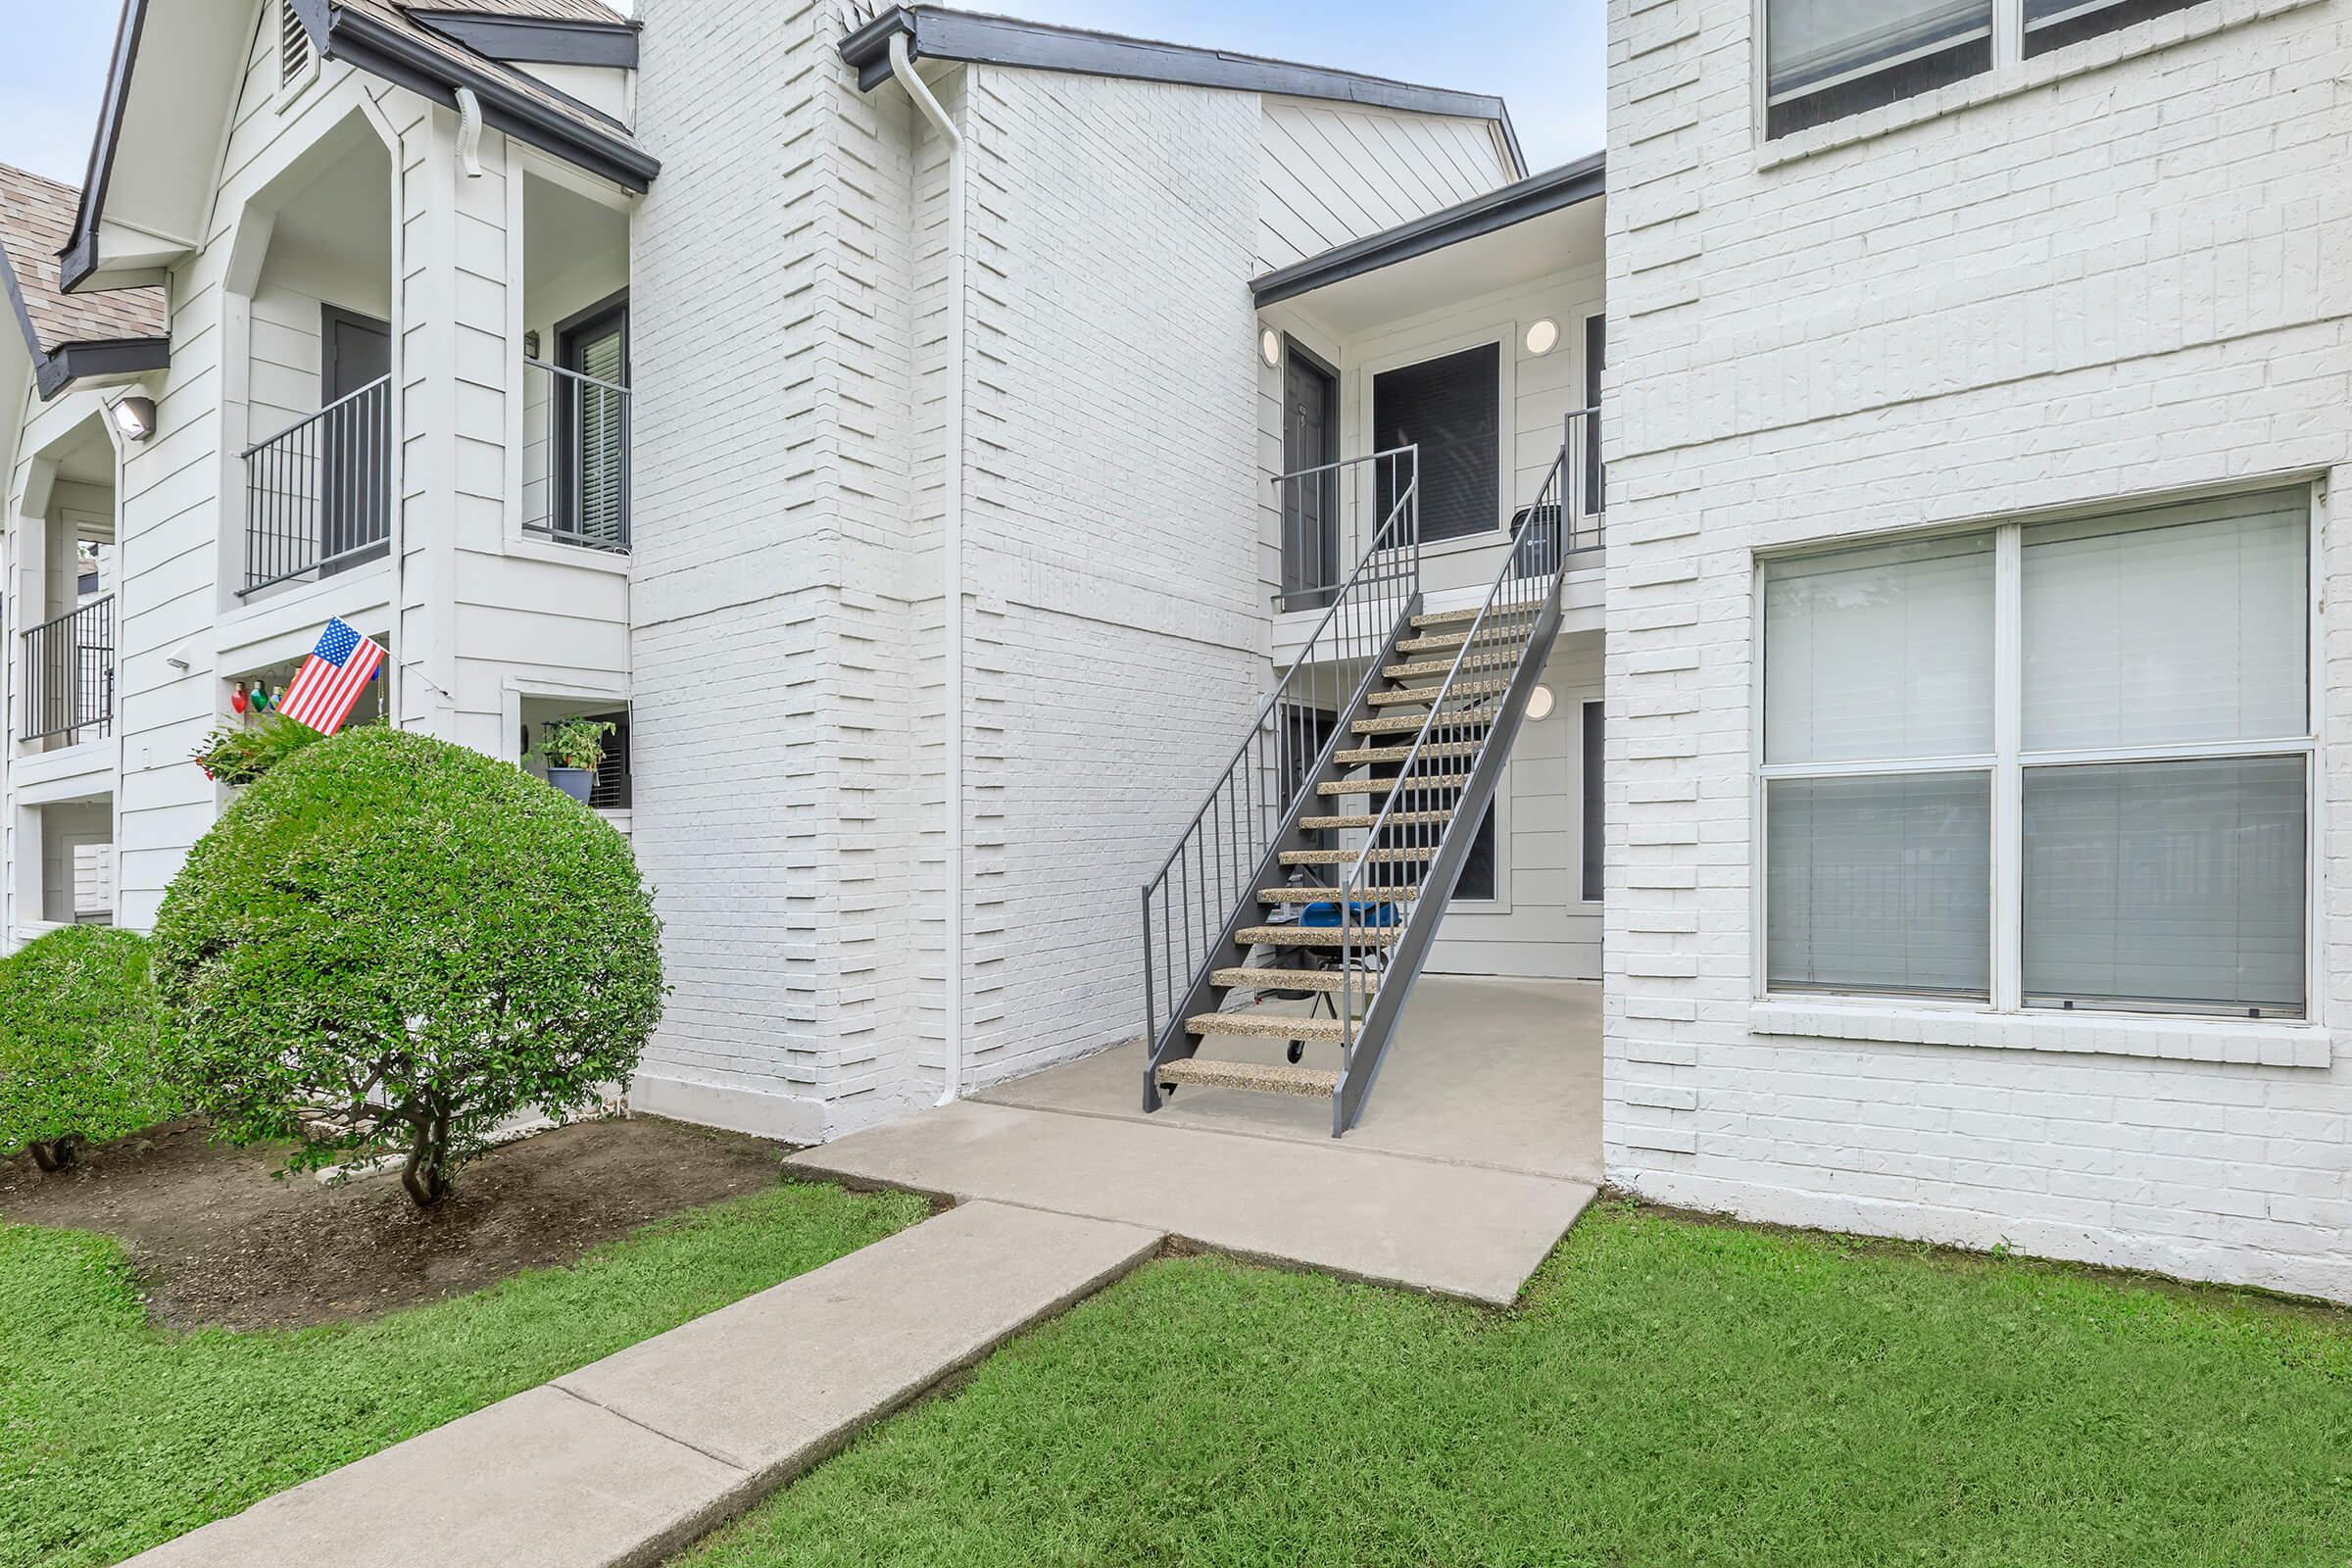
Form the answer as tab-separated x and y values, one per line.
1444	617
1411	723
1317	824
1323	980
1382	786
1318	936
1368	756
1324	895
1423	696
1268	1078
1448	642
1422	668
1265	1026
1403	855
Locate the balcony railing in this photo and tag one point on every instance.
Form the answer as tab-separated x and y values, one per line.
69	674
575	465
319	493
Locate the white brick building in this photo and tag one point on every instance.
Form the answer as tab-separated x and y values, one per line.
939	469
2060	274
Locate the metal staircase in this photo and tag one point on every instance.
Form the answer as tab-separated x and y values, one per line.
1319	867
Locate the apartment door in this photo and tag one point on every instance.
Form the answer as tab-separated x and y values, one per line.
1311	568
355	458
592	429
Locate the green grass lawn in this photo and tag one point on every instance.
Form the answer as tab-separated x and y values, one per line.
1671	1393
115	1437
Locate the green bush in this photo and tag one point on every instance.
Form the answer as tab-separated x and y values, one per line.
81	1032
392	943
239	753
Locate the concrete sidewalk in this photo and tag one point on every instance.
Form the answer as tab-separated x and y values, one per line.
1426	1224
625	1461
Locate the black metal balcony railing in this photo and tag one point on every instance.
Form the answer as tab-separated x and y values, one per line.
576	475
69	674
319	493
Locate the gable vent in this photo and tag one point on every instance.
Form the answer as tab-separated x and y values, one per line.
293	45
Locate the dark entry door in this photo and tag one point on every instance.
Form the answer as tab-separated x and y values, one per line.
355	460
1310	513
592	429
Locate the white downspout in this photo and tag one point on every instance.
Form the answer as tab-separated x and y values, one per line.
952	521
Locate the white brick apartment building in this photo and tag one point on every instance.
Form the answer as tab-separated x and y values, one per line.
1980	882
940	471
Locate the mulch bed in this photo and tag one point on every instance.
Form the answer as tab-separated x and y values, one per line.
219	1241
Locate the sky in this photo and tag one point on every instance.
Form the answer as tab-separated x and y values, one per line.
1545	57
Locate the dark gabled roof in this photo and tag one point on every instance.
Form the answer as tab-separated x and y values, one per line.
69	335
941	35
381	37
1532	197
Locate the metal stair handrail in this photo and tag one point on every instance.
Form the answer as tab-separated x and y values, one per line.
1198	886
1544	542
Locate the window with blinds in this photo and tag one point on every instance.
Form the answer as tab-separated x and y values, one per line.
2152	755
2055	24
592	428
1827	59
1451	409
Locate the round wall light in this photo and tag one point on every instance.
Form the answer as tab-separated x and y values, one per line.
135	418
1540	703
1543	338
1269	348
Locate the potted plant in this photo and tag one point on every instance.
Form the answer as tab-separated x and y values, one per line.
574	748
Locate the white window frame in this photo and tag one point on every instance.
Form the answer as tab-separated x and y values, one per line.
2008	760
1503	335
2008	56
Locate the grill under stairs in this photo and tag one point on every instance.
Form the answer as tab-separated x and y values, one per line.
1320	867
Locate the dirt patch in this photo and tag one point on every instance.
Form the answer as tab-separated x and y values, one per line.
219	1241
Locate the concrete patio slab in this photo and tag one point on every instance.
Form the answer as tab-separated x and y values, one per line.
1455	1230
1484	1072
624	1463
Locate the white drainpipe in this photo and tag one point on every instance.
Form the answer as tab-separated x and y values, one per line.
953	555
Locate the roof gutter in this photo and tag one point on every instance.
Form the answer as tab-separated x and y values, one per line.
1532	197
55	370
902	69
940	34
365	43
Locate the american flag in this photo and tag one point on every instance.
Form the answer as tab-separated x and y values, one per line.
331	679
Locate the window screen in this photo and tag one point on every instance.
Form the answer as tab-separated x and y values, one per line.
1451	409
1596	822
1477	881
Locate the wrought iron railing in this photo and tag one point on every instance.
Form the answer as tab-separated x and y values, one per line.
69	674
1191	903
1384	893
576	472
319	493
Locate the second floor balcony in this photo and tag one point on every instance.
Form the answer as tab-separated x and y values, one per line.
318	494
69	664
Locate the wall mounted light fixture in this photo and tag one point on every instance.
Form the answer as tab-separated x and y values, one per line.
1269	348
135	418
1543	338
1539	704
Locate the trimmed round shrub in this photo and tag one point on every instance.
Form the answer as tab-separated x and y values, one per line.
390	944
81	1032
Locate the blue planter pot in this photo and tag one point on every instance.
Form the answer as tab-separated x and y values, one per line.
576	782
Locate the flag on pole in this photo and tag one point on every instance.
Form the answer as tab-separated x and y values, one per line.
331	679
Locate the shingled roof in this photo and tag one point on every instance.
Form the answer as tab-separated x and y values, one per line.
36	219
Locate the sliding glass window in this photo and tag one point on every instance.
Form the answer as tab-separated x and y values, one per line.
1827	59
2123	698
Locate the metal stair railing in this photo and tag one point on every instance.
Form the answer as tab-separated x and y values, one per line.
1469	732
1195	903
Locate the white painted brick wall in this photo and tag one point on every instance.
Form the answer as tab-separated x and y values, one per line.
2071	287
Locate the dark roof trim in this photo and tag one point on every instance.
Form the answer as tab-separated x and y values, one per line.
534	40
78	362
1532	197
55	370
938	35
80	259
382	51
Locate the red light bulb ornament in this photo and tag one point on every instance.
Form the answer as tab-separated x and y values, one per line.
238	700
